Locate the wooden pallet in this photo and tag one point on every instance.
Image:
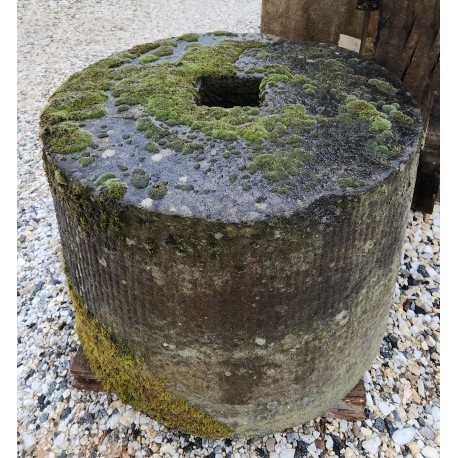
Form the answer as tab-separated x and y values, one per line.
350	408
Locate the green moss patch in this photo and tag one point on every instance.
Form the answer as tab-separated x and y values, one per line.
184	187
144	48
190	37
169	92
86	160
105	177
158	191
139	178
223	33
65	138
367	112
121	372
383	86
162	51
281	164
112	188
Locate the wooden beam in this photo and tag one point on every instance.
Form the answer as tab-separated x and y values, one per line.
322	21
83	377
408	44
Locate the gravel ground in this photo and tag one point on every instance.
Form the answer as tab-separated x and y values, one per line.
57	38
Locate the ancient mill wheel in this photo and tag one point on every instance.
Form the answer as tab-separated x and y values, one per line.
232	210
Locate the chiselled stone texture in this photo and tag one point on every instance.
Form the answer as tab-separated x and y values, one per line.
231	209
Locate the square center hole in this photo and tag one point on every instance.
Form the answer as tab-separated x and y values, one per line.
229	92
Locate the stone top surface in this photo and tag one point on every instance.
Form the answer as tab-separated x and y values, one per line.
229	127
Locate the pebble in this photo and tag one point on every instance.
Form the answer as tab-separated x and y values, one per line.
29	441
58	441
112	423
436	413
270	444
76	421
430	341
385	408
167	449
313	450
427	433
414	448
404	436
287	453
128	417
429	452
372	444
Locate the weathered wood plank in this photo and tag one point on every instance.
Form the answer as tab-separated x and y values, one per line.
350	408
312	20
428	176
408	44
83	377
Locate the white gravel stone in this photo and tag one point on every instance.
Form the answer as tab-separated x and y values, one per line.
313	450
436	413
287	453
307	438
29	441
372	444
427	433
128	417
430	452
167	449
404	436
113	421
385	408
58	441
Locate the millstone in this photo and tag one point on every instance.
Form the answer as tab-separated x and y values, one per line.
231	210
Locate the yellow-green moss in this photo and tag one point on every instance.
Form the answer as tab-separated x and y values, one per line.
162	51
223	33
280	164
113	188
86	160
81	97
105	177
144	48
139	179
168	90
66	138
121	372
383	86
367	112
190	37
149	58
158	191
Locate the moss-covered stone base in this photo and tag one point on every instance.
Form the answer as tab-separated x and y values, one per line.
121	372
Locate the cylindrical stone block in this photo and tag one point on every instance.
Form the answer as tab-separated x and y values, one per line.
231	210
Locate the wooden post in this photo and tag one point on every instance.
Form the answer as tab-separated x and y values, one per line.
312	20
407	44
